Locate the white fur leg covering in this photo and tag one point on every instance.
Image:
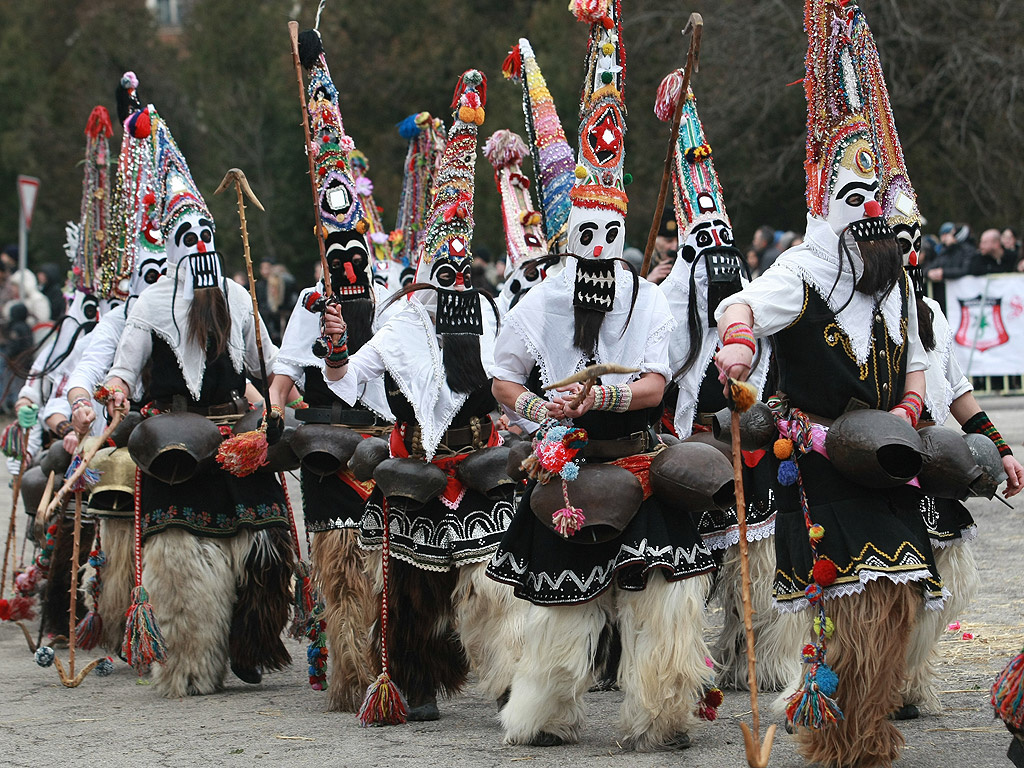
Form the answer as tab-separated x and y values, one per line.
959	571
116	579
555	670
663	670
778	637
490	620
191	584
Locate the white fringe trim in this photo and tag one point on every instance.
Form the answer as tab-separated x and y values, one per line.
731	535
856	587
967	535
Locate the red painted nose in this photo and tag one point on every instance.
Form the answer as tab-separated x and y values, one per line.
718	240
597	251
872	209
202	247
350	274
460	279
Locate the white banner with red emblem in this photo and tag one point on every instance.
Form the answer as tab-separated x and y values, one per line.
987	318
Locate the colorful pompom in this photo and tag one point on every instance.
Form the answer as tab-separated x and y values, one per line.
830	627
809	653
813	593
816	532
568	520
105	668
826	680
788	473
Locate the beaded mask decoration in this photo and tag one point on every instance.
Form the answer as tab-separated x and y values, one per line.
92	224
426	137
840	163
895	193
552	158
133	255
343	210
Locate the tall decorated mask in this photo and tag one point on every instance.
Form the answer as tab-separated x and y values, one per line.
445	255
345	225
597	219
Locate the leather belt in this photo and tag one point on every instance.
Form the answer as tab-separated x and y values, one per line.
474	435
638	442
705	419
180	404
339	414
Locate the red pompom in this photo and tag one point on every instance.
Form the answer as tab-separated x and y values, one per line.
824	572
5	610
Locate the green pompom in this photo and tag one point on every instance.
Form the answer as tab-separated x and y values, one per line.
606	77
627	178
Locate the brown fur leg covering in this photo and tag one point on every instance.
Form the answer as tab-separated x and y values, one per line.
117	579
425	654
262	602
55	613
868	653
351	607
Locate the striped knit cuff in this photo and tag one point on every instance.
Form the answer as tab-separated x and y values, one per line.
532	407
981	424
614	397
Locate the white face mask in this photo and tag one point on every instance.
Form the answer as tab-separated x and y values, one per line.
151	267
713	234
595	233
850	192
192	254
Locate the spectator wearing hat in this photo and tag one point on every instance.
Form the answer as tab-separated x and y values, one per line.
665	246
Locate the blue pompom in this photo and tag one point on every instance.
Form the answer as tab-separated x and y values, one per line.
827	680
788	472
105	668
408	129
570	471
44	656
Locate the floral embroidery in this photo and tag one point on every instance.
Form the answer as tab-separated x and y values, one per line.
202	523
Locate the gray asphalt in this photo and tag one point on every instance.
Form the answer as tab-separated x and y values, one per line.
120	721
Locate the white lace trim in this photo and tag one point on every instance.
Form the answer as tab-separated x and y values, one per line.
856	587
967	535
731	535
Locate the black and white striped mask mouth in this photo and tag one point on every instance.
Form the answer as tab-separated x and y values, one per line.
595	284
459	312
205	268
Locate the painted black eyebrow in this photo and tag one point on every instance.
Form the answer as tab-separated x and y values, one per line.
206	222
181	232
707	224
588	225
613	224
856	185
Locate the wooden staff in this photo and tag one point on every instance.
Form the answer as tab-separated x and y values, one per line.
696	26
51	504
15	492
242	185
741	397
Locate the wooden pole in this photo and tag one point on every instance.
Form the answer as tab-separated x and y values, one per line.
696	26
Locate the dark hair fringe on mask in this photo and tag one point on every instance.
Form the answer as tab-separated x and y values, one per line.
359	319
586	328
209	321
463	368
883	266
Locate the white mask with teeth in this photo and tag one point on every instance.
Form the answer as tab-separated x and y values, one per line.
596	233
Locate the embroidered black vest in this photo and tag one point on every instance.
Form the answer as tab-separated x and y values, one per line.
220	380
818	370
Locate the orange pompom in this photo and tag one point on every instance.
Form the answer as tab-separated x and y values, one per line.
743	395
783	448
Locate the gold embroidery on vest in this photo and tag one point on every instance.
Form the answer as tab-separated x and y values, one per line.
834	335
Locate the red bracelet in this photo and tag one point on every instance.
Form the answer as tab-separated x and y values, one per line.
913	404
739	333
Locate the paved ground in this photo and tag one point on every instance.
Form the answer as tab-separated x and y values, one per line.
118	721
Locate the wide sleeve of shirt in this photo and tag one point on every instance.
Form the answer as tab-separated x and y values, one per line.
917	356
133	351
512	360
364	366
56	406
959	384
98	356
776	297
291	340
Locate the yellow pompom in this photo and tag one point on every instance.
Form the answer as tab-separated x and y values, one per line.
783	448
478	116
830	628
362	226
816	532
581	172
607	49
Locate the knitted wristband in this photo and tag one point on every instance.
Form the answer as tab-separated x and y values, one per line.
532	407
612	397
913	404
739	333
981	424
338	356
62	429
296	402
80	402
277	410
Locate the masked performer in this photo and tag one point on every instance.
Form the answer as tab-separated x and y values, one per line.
218	557
432	355
845	322
709	268
632	559
333	501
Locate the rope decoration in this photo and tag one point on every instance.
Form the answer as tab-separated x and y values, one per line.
143	642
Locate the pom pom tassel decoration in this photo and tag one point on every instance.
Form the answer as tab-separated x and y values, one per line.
811	706
143	641
512	67
384	704
668	96
1008	694
90	628
505	148
243	454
